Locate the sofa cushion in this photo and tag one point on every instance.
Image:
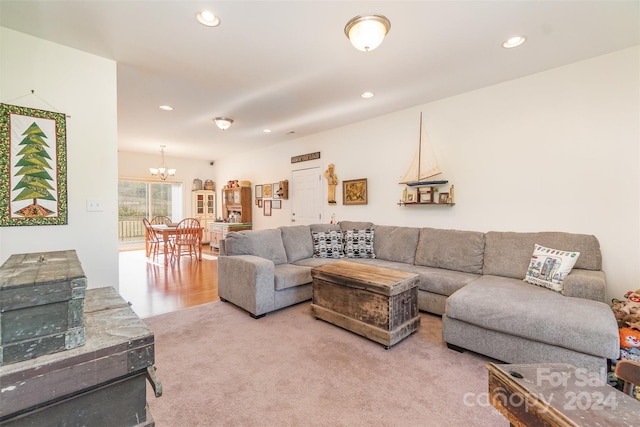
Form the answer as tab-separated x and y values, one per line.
508	253
328	244
359	243
441	281
548	267
513	307
297	241
355	225
263	243
451	249
324	227
289	275
396	243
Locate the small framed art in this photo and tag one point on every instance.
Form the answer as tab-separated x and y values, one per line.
258	191
266	206
266	191
276	204
354	192
444	198
274	191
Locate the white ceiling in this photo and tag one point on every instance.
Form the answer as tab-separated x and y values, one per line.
287	65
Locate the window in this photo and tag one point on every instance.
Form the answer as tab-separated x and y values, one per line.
140	199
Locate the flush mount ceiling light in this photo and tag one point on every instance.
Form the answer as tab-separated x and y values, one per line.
162	171
514	42
223	122
208	18
366	32
367	95
166	107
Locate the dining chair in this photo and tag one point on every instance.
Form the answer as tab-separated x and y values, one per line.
629	372
161	219
187	238
152	242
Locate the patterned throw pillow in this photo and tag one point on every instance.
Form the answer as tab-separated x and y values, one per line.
549	267
359	243
327	244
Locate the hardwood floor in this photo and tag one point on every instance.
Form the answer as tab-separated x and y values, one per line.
153	289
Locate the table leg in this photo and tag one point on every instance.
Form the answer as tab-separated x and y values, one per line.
200	246
165	239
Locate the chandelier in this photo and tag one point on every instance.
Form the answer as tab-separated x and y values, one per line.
366	32
162	171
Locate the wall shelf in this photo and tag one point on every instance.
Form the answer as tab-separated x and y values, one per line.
427	195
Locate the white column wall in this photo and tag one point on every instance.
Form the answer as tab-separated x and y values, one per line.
84	87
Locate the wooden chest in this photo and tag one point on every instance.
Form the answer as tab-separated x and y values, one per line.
41	305
378	303
102	383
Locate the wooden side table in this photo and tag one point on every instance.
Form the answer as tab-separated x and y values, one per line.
558	394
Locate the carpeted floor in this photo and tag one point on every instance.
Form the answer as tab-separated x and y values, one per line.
220	367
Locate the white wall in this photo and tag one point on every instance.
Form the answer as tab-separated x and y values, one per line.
84	87
553	151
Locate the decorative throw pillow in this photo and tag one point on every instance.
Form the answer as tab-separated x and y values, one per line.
549	267
359	243
327	244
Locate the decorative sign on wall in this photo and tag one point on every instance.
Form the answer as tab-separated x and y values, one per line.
305	157
33	167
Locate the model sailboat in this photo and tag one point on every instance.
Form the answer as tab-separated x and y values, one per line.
423	166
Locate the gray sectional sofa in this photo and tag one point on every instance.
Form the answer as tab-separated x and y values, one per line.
472	279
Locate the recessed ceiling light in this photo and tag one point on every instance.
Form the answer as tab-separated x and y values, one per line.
166	107
367	95
208	18
267	131
514	42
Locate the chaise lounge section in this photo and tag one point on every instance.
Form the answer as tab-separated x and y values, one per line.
473	279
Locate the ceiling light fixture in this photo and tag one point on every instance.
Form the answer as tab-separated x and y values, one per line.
367	95
166	107
162	171
366	32
208	18
267	131
223	123
514	42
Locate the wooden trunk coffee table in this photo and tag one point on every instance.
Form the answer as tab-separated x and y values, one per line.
378	303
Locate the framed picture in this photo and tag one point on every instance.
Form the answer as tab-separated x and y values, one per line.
276	204
266	191
411	197
354	192
444	198
274	192
258	191
266	205
33	176
259	202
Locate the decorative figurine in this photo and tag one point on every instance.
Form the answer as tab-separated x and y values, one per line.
332	181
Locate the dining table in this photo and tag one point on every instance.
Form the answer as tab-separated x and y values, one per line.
170	230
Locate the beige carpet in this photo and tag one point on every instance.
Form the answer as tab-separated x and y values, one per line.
220	367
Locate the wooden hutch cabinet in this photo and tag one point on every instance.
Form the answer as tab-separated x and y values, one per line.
204	209
237	200
236	206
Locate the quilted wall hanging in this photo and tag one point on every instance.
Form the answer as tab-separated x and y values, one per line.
33	167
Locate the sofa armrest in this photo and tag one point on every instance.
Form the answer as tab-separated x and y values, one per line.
247	281
588	284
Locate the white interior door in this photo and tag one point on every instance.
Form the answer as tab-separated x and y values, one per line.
306	196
